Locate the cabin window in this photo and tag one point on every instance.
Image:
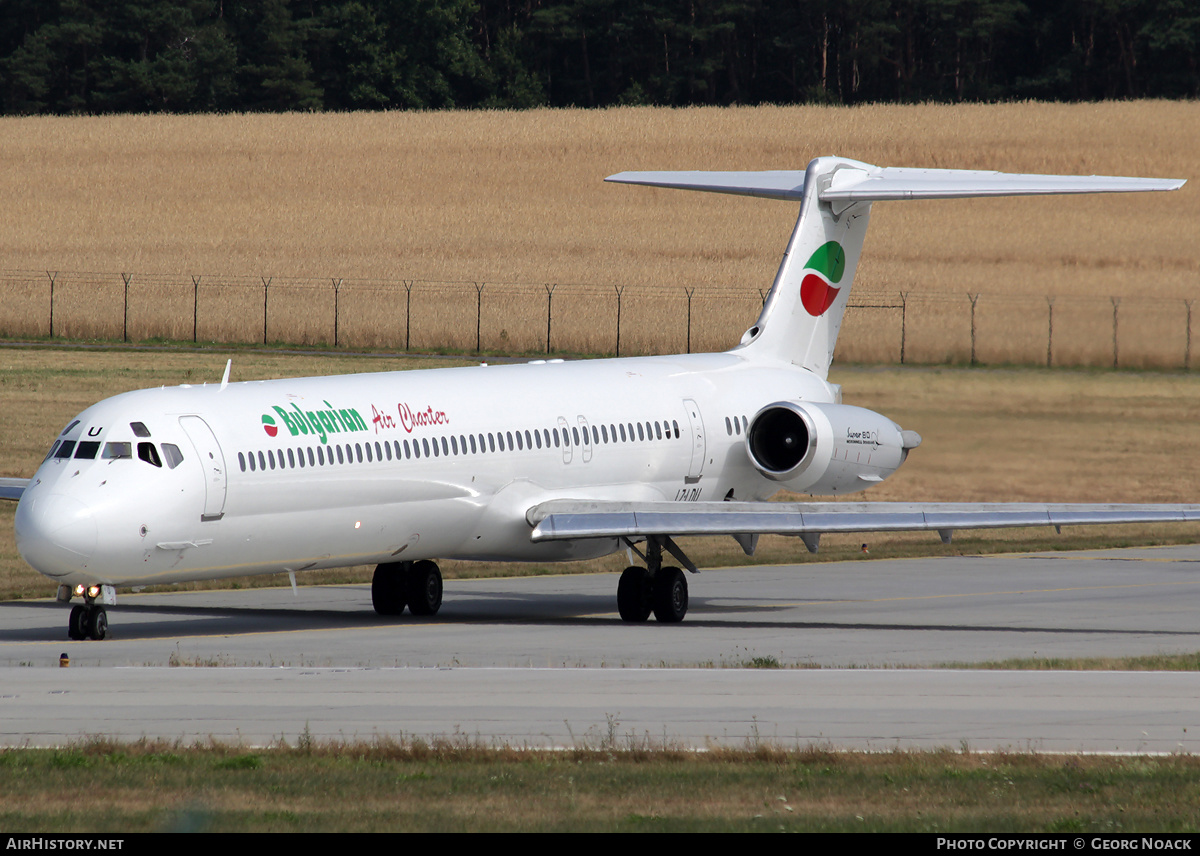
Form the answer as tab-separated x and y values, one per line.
473	449
435	446
658	430
556	438
270	457
65	450
675	425
172	454
445	447
537	438
252	466
604	432
623	440
341	459
575	435
311	460
425	446
262	462
397	445
370	459
745	424
87	450
641	435
520	442
482	445
491	442
242	461
149	454
728	427
139	429
300	458
454	444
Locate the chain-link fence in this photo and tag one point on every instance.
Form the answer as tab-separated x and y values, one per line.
879	327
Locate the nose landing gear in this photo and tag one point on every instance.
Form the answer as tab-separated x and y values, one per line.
88	620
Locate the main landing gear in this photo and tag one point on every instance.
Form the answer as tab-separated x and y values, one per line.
657	589
417	585
89	620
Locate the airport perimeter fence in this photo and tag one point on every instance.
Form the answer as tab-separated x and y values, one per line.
419	315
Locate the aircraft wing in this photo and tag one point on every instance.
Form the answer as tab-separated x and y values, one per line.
559	520
12	488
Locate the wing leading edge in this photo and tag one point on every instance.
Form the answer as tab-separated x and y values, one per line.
559	520
12	488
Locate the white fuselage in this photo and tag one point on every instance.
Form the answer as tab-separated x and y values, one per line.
365	469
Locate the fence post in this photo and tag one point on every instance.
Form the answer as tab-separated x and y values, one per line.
1116	302
1050	332
478	311
195	305
689	293
549	302
620	290
1187	350
266	284
974	298
52	276
337	287
903	323
125	322
408	286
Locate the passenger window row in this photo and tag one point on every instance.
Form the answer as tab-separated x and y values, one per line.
736	426
462	444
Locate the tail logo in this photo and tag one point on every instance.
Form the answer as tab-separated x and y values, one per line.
817	291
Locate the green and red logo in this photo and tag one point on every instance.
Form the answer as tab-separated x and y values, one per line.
269	426
817	291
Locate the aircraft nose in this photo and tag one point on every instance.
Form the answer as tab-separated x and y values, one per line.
56	534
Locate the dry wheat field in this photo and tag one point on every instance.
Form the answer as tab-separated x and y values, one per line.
447	229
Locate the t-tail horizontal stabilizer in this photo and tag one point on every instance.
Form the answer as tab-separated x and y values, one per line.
803	311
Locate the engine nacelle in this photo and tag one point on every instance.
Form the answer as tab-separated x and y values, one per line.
826	448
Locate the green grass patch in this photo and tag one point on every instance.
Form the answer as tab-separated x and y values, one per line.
455	785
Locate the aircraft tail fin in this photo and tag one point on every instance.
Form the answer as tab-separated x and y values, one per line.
803	312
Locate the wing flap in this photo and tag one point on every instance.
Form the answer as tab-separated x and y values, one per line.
560	520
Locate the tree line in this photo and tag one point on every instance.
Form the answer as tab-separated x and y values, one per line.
120	56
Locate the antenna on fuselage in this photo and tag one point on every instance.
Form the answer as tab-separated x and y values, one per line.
225	377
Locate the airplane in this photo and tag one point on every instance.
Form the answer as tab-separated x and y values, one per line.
543	461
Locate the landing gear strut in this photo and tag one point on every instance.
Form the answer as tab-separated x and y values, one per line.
657	589
417	585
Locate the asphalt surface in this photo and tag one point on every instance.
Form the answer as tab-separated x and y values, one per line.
546	661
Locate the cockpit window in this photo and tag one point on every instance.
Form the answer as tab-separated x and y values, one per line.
149	454
172	454
117	450
69	427
65	449
87	449
50	454
139	429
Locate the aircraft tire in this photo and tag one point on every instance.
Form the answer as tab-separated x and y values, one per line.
670	596
388	589
97	622
77	623
633	594
424	588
